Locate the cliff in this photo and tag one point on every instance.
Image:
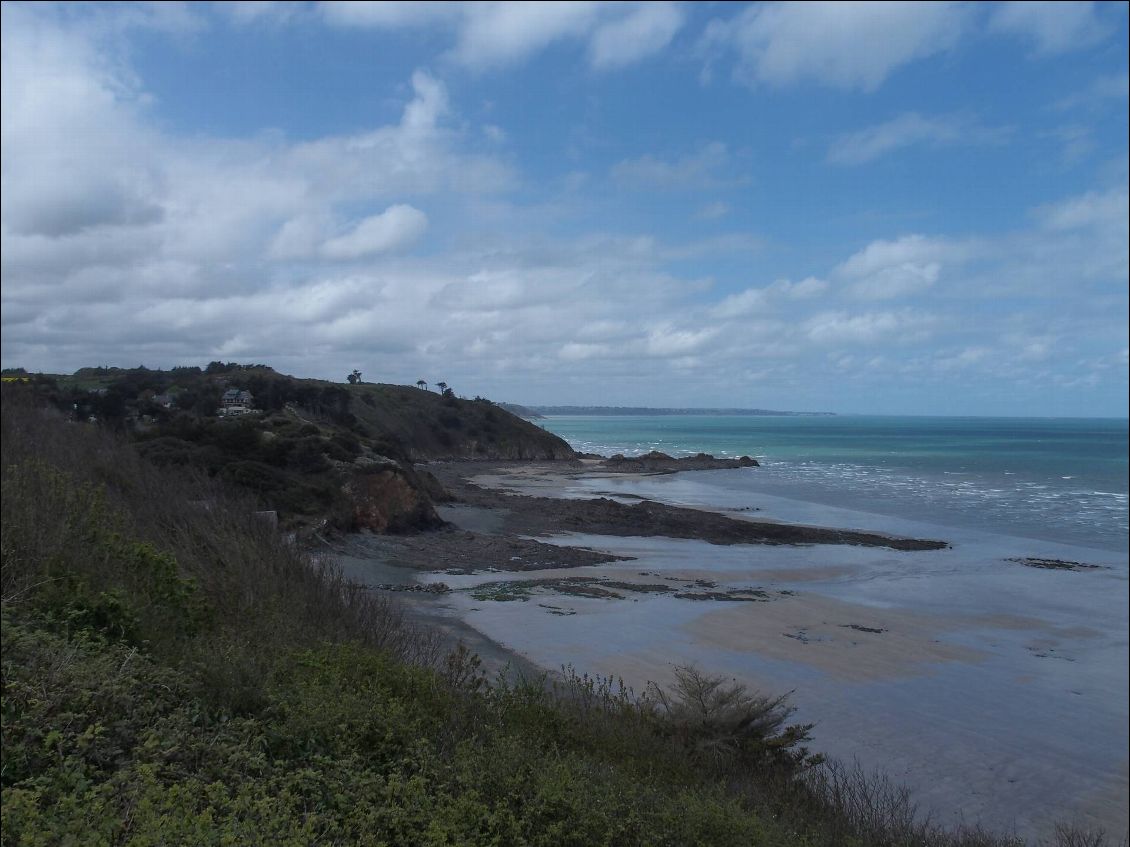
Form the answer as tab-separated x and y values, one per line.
427	426
315	451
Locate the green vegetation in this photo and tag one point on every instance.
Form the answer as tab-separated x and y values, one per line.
174	672
302	439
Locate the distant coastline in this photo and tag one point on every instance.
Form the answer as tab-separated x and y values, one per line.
548	411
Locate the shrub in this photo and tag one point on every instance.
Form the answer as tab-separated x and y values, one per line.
720	721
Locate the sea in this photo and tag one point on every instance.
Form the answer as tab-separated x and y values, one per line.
994	688
1059	479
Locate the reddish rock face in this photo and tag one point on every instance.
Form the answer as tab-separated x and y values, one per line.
387	501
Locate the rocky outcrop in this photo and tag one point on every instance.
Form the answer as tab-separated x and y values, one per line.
656	462
390	499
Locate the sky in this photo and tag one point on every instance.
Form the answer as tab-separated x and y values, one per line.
877	208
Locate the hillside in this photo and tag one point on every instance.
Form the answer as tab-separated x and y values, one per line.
318	453
431	426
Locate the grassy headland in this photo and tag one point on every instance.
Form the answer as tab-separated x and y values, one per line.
175	672
312	450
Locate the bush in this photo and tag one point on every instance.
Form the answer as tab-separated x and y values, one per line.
308	456
256	476
720	721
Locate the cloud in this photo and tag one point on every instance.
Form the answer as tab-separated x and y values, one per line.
667	340
1077	141
646	30
393	229
867	327
907	130
494	35
499	34
756	300
575	351
1052	27
115	236
713	211
1102	90
123	243
845	45
1083	238
697	171
1102	209
886	270
253	12
76	155
389	14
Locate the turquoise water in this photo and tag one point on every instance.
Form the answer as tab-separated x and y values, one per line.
1052	478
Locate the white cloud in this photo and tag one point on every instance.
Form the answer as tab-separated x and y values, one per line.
251	12
1053	27
1102	209
1082	238
575	351
807	288
906	130
701	170
1077	141
867	328
389	14
897	281
847	45
299	237
393	229
493	35
293	253
885	270
713	211
647	29
498	34
965	358
747	302
75	153
668	340
755	300
1102	90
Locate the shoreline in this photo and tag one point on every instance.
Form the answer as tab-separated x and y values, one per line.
850	625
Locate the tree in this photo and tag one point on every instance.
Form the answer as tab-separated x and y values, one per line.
422	384
442	386
354	378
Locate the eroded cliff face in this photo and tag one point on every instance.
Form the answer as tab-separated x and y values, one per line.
391	499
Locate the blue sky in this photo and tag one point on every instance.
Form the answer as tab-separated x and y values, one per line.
851	207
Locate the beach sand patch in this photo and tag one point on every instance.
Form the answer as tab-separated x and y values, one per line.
845	640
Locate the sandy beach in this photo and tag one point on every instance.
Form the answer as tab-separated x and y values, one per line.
993	687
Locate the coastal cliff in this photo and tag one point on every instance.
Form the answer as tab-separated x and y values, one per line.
317	452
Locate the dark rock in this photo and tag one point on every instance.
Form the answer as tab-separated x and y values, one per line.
1055	564
656	462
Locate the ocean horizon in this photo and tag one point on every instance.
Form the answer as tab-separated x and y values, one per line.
988	682
1048	478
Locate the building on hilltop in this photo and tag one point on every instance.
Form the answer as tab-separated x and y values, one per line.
236	401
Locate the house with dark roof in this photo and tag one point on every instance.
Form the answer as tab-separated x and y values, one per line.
236	401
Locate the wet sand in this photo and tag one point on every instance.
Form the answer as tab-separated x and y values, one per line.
996	691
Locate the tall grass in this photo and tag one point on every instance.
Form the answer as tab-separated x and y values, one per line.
80	505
